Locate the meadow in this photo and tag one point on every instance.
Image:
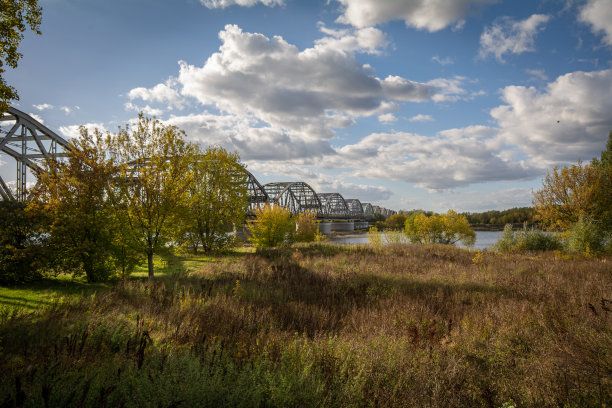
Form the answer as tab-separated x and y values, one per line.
318	325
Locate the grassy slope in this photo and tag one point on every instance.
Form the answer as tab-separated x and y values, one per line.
325	325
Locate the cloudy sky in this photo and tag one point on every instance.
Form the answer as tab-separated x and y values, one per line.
462	104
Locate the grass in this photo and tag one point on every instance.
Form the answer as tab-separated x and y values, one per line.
325	325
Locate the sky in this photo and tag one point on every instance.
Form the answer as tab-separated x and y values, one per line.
431	104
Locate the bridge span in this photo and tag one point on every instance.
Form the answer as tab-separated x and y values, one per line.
29	142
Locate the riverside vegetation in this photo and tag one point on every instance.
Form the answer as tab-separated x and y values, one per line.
324	325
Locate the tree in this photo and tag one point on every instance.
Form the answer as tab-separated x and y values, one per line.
15	17
446	228
151	186
73	194
22	243
306	227
217	201
396	221
577	191
273	226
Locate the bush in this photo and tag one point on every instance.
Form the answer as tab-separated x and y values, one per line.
22	243
446	228
306	227
526	240
586	237
273	226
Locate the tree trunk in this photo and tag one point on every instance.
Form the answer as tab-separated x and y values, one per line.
150	264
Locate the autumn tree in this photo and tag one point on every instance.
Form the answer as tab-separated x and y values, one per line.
578	191
73	194
273	226
15	17
217	199
448	228
152	183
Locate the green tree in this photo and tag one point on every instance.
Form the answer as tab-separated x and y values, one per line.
23	246
15	17
272	226
73	194
151	186
448	228
217	201
306	227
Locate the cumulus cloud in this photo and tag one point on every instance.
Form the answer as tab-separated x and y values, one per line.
66	109
43	106
434	163
72	131
430	15
147	110
387	118
475	201
287	100
598	13
37	117
213	4
509	36
421	118
567	120
537	74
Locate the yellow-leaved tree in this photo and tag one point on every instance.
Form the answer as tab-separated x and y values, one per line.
151	186
448	228
273	226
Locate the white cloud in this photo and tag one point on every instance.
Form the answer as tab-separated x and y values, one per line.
537	74
569	119
509	36
161	93
147	110
475	201
442	61
431	15
387	118
434	163
66	109
213	4
43	106
37	117
72	131
598	13
421	118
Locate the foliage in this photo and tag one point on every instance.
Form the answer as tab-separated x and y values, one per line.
15	17
73	193
586	237
23	246
306	227
396	221
511	216
526	240
152	184
579	190
325	325
273	226
217	199
446	228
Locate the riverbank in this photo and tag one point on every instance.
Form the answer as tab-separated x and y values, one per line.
324	325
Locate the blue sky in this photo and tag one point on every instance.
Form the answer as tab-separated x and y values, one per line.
464	104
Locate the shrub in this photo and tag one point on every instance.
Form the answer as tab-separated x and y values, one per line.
526	240
306	227
586	237
273	226
446	228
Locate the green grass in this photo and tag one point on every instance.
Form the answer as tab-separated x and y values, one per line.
324	325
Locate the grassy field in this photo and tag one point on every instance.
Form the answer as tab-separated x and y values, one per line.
318	325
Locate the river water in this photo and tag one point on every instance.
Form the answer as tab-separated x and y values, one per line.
484	239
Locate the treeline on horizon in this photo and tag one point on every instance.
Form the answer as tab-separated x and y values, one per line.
516	215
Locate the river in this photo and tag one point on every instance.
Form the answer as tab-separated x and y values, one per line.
484	239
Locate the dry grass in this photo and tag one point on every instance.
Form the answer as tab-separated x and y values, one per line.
324	325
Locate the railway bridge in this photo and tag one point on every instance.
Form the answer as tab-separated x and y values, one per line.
28	142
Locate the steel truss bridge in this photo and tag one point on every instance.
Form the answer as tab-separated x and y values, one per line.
29	143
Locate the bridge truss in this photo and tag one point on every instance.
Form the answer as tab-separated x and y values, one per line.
29	142
333	206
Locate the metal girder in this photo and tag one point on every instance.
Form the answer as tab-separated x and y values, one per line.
368	211
355	208
333	206
296	197
28	142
